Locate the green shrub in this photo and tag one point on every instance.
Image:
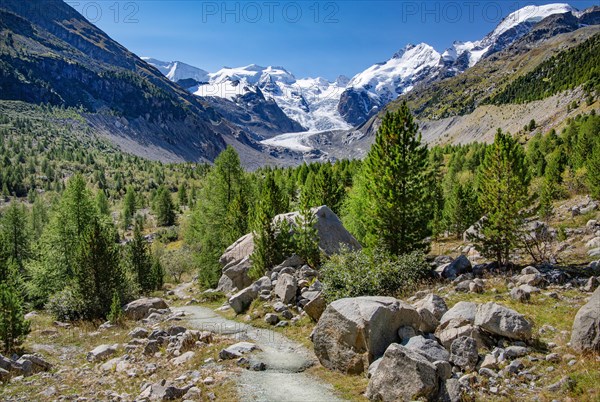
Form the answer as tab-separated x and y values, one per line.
66	305
360	273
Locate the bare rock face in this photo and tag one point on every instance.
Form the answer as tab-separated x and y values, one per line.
403	375
433	303
585	335
140	308
354	332
502	321
236	264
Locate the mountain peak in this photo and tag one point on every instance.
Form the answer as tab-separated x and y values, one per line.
531	14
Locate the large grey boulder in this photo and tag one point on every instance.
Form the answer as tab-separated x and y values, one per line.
463	310
403	375
331	231
463	353
502	321
239	250
354	332
286	288
140	308
235	276
457	327
433	303
240	301
585	335
428	348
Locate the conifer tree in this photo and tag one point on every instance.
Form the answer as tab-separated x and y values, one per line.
165	210
102	203
157	273
128	207
397	186
503	182
593	171
140	261
306	236
182	195
14	234
13	326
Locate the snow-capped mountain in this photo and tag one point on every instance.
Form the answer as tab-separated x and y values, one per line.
319	105
381	83
176	70
312	102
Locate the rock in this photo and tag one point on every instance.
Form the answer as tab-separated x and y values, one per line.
520	294
529	270
463	353
476	287
240	301
463	310
459	266
428	321
515	351
373	367
553	358
403	375
489	362
101	352
585	334
428	348
279	307
434	303
281	324
457	327
591	284
193	394
162	392
287	314
139	333
184	358
530	279
263	284
354	332
500	320
406	332
315	307
151	347
140	308
515	367
235	276
239	250
286	288
236	351
463	286
272	318
37	363
594	243
452	391
595	252
443	368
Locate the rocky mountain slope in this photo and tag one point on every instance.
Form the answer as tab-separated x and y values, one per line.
49	53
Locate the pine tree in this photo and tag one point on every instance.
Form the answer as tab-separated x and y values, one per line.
39	218
102	203
221	215
98	272
503	182
140	261
15	237
157	273
306	236
128	207
165	210
593	171
461	208
397	184
182	196
115	316
13	326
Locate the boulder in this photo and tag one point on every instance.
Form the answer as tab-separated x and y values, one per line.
140	308
237	350
457	327
463	353
459	266
238	251
585	335
315	307
520	294
163	392
354	332
235	276
403	375
591	284
37	363
463	310
286	288
183	358
428	348
428	321
502	321
530	279
101	352
139	333
272	318
263	284
240	301
433	303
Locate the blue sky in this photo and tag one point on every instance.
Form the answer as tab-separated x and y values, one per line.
309	38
